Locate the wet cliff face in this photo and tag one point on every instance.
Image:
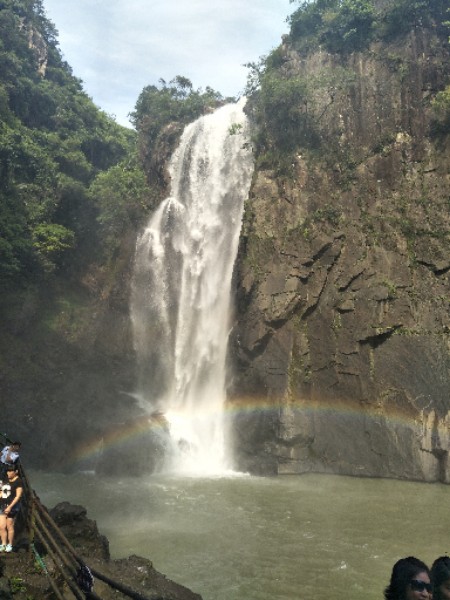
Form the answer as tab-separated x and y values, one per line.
67	361
341	340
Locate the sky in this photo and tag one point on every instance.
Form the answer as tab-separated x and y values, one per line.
117	47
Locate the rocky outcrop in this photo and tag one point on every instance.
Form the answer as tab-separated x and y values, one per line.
341	340
37	44
39	47
20	576
82	532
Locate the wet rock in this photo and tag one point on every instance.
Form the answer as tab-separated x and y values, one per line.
81	531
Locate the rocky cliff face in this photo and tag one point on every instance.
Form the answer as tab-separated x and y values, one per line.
67	362
341	342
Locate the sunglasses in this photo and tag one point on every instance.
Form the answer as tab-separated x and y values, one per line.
419	586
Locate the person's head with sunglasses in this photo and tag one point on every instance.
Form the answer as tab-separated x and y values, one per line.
410	580
440	576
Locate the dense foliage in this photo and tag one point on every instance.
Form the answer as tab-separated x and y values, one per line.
287	106
339	24
349	25
176	101
123	198
53	143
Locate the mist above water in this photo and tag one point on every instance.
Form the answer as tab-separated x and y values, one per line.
181	289
310	537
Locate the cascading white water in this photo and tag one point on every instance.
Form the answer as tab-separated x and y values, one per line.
181	290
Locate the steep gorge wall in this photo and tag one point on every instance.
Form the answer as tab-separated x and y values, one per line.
67	361
341	340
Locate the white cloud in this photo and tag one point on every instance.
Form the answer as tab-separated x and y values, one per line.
120	46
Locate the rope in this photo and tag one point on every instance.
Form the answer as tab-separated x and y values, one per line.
41	563
38	558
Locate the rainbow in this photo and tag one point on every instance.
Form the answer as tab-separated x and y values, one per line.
116	435
350	411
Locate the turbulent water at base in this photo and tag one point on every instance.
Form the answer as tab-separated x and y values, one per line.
310	537
180	303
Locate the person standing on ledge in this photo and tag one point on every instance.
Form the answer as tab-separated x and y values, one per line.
9	457
11	493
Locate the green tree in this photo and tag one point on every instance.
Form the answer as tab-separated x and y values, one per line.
123	198
53	143
349	27
403	15
176	101
441	110
51	241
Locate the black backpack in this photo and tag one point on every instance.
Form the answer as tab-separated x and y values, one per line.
85	579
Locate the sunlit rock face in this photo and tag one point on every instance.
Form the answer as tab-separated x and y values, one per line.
341	345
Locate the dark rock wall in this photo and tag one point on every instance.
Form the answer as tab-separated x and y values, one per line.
67	362
341	340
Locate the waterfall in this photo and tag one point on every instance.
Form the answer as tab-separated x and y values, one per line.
181	288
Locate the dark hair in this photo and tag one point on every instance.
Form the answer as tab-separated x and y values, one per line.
440	572
403	571
16	444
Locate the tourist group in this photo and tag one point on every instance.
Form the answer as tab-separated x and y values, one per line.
411	579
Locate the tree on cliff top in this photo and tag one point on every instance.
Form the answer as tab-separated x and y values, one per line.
339	24
349	25
284	101
174	101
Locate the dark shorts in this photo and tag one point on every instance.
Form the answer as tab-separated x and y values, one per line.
13	513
